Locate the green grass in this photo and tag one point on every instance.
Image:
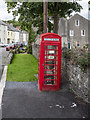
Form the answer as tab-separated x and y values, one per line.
23	68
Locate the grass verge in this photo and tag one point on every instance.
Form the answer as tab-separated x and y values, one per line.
23	68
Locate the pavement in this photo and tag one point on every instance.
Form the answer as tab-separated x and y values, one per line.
3	59
24	100
2	86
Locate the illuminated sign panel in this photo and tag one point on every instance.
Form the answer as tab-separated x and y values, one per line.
51	39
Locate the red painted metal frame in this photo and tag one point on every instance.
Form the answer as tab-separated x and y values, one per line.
42	86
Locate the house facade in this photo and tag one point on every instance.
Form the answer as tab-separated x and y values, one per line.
21	36
25	36
74	31
10	34
62	31
3	32
17	32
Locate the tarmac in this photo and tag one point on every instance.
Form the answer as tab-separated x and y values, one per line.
24	100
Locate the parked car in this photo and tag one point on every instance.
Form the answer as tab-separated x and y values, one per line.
17	44
10	46
2	44
21	44
25	44
5	44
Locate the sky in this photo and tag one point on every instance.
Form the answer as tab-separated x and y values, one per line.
4	15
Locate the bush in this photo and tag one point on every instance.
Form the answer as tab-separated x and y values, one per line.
23	49
66	53
12	51
77	56
84	61
29	49
17	49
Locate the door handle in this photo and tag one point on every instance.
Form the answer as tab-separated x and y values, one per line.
42	64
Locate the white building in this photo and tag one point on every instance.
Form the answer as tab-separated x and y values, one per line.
16	35
3	32
9	34
25	36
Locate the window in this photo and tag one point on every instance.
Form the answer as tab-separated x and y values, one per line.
0	39
69	45
78	44
4	31
11	33
76	22
71	33
8	33
82	32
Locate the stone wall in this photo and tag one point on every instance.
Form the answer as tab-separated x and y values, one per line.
35	50
9	58
76	78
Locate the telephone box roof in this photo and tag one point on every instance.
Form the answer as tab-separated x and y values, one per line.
44	34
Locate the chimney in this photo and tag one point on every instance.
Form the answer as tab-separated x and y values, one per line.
18	27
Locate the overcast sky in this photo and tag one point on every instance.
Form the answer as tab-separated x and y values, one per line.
4	15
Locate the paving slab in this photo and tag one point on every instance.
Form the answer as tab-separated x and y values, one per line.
24	100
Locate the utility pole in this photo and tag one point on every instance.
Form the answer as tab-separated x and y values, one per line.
45	17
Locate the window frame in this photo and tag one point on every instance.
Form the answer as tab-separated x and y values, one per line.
76	22
83	31
71	32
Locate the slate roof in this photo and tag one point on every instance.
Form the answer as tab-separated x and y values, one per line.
2	23
11	28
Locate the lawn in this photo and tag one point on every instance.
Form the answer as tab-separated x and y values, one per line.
23	68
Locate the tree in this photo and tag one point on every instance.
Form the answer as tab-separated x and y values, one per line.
15	23
62	9
32	11
89	4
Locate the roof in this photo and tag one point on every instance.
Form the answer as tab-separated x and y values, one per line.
24	31
11	28
79	16
2	23
45	34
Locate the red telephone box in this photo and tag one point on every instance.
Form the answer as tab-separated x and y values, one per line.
49	72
